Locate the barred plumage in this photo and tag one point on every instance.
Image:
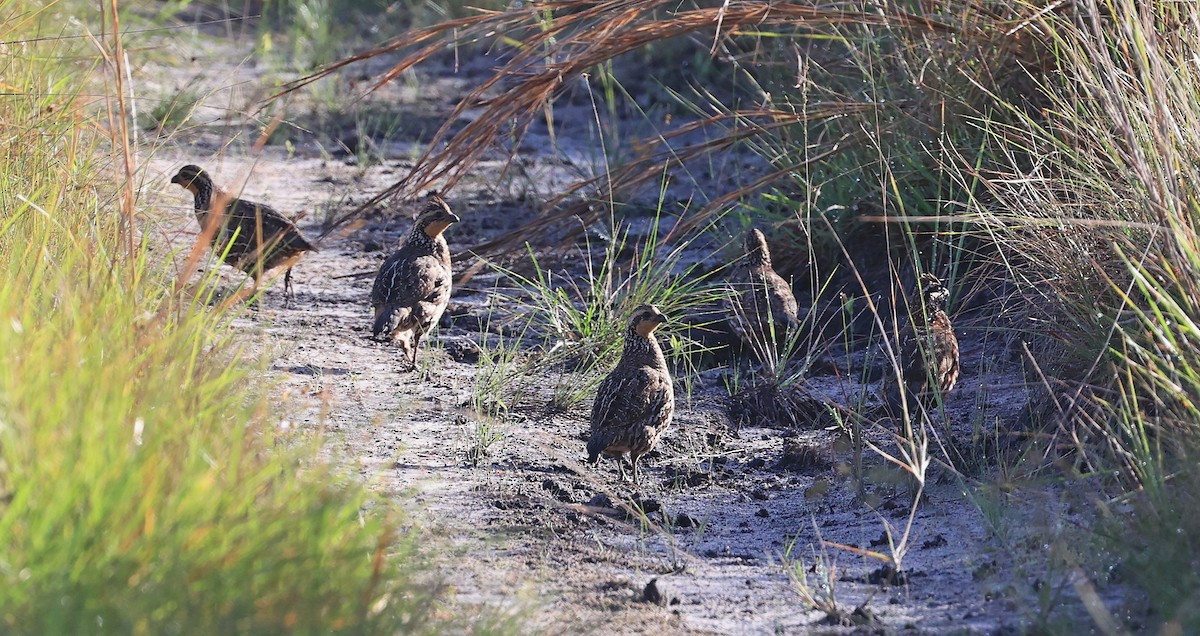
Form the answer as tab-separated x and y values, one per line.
250	236
761	308
412	287
635	402
928	355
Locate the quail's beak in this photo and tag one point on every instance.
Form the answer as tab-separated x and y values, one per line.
450	217
661	319
177	179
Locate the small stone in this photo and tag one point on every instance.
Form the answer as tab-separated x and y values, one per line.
600	500
684	521
558	491
888	576
647	506
762	512
760	494
660	593
463	350
936	542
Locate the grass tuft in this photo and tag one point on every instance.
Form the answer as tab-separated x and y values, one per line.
143	488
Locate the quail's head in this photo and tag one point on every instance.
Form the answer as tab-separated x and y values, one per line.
645	319
756	246
191	177
435	217
934	292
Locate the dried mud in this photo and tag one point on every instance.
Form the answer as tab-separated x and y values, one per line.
527	525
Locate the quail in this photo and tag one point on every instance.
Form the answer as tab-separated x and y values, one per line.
250	236
928	356
412	287
761	308
635	402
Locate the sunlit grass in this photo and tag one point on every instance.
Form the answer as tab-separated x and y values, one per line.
142	486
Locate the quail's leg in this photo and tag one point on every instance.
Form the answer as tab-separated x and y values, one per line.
621	466
416	342
288	295
634	459
256	303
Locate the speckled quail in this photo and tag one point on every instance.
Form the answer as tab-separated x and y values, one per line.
928	356
249	236
635	402
412	288
761	308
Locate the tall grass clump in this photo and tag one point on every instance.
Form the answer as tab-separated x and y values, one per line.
583	317
141	487
1111	215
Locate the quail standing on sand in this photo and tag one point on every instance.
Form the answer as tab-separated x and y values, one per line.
761	308
635	402
928	356
249	236
412	288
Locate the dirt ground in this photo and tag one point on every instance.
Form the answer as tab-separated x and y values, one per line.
730	510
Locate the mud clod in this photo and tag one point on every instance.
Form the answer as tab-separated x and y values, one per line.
936	542
646	506
600	500
685	521
661	593
558	491
463	350
887	575
800	456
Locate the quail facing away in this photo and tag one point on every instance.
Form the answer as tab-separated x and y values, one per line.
250	236
928	356
761	307
412	288
635	402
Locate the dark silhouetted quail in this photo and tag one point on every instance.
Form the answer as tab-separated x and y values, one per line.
634	403
928	356
249	236
412	288
761	308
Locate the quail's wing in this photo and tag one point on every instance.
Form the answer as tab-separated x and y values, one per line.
629	397
945	344
783	301
739	300
277	230
918	349
256	228
405	280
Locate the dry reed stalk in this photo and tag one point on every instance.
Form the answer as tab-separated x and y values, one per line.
120	131
581	35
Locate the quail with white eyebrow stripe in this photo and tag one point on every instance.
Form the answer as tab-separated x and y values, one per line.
412	288
635	402
252	237
928	357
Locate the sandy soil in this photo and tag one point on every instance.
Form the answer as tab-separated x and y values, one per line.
730	510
